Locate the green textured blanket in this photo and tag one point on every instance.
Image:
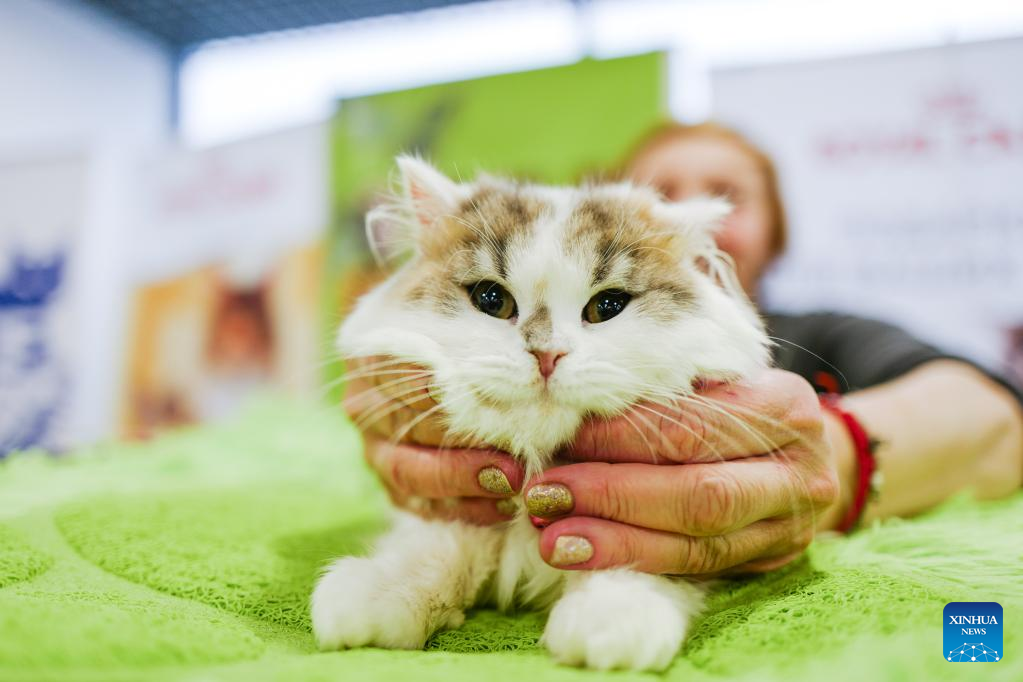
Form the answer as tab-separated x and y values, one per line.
192	557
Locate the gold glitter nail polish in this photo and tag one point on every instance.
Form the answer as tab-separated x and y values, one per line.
493	480
507	506
570	550
549	499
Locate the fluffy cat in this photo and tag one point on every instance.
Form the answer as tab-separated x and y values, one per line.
534	308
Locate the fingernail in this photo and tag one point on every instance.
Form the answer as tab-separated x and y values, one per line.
549	499
493	480
570	550
507	506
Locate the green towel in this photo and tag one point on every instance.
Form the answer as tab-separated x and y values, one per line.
192	557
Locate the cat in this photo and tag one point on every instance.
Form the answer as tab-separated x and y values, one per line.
535	307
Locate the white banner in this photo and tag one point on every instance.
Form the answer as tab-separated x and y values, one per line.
242	203
903	179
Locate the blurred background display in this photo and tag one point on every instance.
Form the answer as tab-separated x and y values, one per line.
226	274
182	182
37	307
902	175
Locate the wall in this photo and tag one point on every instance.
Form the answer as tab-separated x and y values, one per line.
902	178
79	89
72	77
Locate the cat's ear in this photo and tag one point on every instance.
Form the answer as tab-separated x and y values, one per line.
700	216
425	195
698	220
389	234
430	193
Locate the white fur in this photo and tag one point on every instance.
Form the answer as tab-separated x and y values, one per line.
423	574
419	580
621	619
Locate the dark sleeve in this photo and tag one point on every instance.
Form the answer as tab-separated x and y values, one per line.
853	351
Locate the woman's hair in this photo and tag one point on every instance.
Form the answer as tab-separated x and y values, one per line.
672	131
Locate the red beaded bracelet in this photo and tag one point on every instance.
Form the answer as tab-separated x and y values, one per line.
868	478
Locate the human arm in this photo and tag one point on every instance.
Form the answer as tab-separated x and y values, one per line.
943	428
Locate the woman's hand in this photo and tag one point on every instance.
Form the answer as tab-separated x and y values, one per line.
424	470
734	480
684	490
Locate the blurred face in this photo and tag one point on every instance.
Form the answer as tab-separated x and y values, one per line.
690	166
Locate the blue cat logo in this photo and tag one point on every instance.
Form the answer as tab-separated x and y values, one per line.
34	381
973	632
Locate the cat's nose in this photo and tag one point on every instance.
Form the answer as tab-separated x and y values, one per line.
547	359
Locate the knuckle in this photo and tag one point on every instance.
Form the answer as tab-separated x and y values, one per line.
398	475
793	386
715	554
700	431
630	551
713	507
684	556
823	489
615	503
699	555
680	432
802	407
803	538
793	535
605	437
594	438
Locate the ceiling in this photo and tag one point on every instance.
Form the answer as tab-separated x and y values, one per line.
184	23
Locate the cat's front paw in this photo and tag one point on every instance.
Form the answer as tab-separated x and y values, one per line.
615	623
357	604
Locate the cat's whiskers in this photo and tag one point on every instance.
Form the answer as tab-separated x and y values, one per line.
398	436
348	361
770	450
611	246
764	446
329	386
384	362
631	247
388	405
669	400
337	381
664	439
807	350
464	276
652	248
486	234
682	425
385	372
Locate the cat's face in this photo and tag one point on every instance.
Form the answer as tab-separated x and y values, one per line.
537	306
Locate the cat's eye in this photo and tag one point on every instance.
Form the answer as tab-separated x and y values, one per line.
605	305
493	299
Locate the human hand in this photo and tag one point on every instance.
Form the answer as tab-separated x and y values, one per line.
734	479
424	469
